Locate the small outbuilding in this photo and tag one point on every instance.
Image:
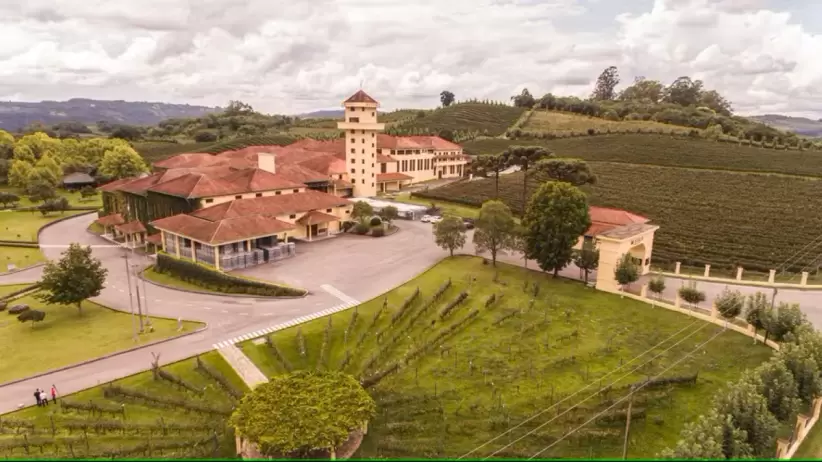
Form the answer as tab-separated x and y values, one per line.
78	180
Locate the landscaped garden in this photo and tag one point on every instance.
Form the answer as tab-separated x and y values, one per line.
466	352
179	411
66	337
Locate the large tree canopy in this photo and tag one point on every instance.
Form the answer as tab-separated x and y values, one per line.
296	414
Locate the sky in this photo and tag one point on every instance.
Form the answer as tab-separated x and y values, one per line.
291	56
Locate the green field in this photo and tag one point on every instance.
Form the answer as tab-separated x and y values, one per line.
74	198
65	337
20	257
669	151
721	218
468	117
510	359
565	122
188	424
23	226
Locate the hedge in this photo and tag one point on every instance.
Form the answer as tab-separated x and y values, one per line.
10	243
201	276
14	294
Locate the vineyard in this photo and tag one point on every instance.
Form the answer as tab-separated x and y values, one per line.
178	411
487	119
563	122
721	218
154	151
463	353
670	151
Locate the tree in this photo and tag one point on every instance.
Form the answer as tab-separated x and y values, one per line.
587	260
713	100
775	382
574	171
389	214
31	147
446	98
783	321
87	192
730	304
626	271
19	173
74	278
657	285
691	294
524	99
650	91
749	412
756	311
92	150
493	163
205	136
8	199
299	414
523	157
46	170
556	216
362	211
31	315
450	233
122	162
494	229
238	108
804	369
519	243
605	89
127	132
683	91
41	192
55	204
713	436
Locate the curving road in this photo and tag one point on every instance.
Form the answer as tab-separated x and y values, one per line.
355	267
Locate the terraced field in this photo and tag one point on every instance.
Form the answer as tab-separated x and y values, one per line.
488	119
181	413
465	352
721	218
562	122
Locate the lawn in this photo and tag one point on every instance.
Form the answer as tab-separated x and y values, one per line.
446	207
668	151
487	119
812	446
9	288
168	280
503	362
74	198
65	337
721	218
20	257
563	122
130	428
23	226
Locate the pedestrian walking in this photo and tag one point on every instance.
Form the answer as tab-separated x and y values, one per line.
37	396
53	394
44	397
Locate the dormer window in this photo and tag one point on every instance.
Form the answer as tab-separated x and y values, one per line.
238	197
295	190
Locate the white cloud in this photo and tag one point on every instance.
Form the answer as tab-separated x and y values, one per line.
289	56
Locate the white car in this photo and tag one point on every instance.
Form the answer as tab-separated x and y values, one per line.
435	219
426	219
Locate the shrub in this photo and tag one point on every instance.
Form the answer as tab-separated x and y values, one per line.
378	232
17	309
376	221
592	132
346	225
204	277
361	228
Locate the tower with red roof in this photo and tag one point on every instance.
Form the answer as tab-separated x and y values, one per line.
361	129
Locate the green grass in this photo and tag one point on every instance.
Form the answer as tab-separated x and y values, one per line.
74	198
66	337
9	288
721	218
169	280
468	117
23	226
446	207
136	413
564	122
486	378
812	446
668	151
20	257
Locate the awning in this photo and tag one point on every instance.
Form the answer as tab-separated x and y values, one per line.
110	220
314	217
393	176
132	227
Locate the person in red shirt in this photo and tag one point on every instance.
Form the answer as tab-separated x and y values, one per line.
53	394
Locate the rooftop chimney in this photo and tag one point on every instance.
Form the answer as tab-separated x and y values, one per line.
266	161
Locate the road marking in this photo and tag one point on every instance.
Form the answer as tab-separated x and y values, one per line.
337	293
206	307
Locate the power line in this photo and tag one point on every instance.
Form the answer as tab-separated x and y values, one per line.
594	394
629	395
590	385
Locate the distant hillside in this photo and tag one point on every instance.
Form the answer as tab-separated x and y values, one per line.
15	115
800	125
327	114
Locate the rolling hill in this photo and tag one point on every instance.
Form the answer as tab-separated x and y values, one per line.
487	119
16	115
799	125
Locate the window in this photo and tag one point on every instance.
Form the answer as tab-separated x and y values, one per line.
363	132
238	197
277	193
352	132
373	155
372	175
292	216
363	161
353	140
363	151
372	145
295	190
340	177
372	185
353	161
363	171
258	195
372	165
348	211
363	181
372	135
363	141
382	168
208	201
353	151
328	210
353	170
354	119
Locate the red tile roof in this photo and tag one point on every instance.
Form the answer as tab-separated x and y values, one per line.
605	219
385	159
301	174
284	204
111	220
360	97
222	231
314	217
342	184
114	185
416	142
156	238
195	185
188	160
394	176
255	179
132	227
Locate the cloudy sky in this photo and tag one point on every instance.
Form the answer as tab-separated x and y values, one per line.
300	55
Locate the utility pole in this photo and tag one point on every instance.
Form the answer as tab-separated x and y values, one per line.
130	301
628	425
139	305
145	299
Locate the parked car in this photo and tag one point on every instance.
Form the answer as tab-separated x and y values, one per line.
435	219
426	219
468	222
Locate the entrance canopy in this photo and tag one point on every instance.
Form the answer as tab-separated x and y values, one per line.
636	239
